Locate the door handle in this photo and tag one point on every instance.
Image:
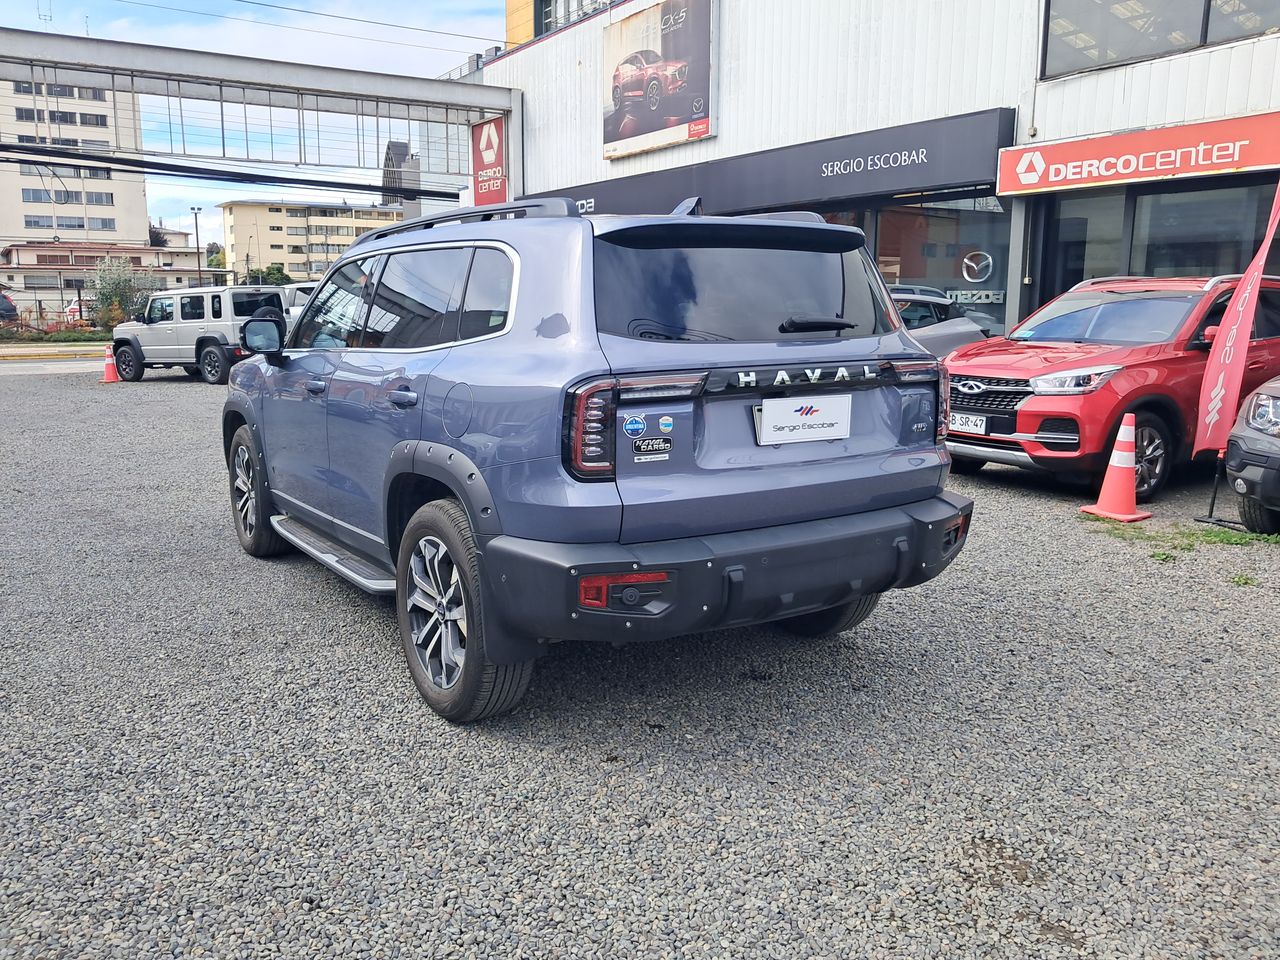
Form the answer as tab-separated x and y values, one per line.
315	386
402	397
1257	364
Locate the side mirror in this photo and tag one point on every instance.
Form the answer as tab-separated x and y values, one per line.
1210	333
264	335
139	318
1205	340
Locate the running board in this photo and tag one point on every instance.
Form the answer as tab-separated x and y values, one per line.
333	555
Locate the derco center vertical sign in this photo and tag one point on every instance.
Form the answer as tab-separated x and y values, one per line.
489	161
1191	150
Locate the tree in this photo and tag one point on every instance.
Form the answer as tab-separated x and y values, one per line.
155	237
218	260
120	290
273	276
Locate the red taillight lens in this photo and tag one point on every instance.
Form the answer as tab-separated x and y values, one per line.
911	371
944	403
593	589
589	439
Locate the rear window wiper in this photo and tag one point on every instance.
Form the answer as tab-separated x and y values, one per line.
804	323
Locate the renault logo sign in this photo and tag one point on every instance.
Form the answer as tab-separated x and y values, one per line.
977	266
1031	168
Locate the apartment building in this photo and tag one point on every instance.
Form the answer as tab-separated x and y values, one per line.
303	240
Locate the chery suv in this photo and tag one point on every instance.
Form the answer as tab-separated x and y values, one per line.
531	426
1253	458
1050	395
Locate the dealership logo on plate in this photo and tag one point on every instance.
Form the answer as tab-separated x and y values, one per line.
1031	168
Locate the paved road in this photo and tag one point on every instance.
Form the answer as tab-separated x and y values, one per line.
1066	747
10	368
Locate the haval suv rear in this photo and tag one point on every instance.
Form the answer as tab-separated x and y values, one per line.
1051	394
531	426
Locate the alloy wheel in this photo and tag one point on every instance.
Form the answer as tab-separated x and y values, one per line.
655	95
212	366
124	363
1152	457
437	612
246	499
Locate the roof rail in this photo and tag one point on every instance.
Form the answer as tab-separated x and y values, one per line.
542	207
1094	280
1214	281
804	216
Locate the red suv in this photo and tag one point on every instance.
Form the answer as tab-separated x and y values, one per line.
646	77
1050	394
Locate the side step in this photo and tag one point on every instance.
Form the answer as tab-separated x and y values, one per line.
333	555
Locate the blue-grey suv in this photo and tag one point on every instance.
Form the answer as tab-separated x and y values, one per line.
531	426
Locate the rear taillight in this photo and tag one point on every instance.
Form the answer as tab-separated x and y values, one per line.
591	426
944	403
915	371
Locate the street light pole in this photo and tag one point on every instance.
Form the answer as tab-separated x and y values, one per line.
199	249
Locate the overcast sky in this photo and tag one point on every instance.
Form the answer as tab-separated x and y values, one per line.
273	34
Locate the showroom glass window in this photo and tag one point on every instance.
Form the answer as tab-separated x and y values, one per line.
1084	34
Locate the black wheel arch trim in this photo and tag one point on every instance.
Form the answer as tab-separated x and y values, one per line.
239	406
132	341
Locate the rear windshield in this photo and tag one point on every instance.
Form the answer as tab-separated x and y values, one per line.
1087	317
735	293
246	304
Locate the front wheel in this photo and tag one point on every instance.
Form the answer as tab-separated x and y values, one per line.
128	363
250	500
1153	455
214	367
442	621
835	620
1258	518
653	95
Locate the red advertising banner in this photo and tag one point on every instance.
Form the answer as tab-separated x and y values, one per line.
489	161
1220	391
1191	150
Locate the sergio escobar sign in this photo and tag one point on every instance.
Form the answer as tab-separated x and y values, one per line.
1192	150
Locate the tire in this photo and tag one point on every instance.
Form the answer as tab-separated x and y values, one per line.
617	97
653	95
438	555
1150	427
1258	518
251	505
966	466
128	363
191	370
825	623
214	365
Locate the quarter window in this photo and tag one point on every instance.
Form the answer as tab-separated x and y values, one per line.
488	299
417	300
336	313
192	308
161	310
216	306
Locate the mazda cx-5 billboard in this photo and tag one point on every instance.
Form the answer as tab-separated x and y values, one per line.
657	82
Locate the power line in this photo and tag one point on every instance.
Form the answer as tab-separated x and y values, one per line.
379	23
285	26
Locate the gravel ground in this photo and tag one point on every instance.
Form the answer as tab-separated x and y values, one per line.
1065	747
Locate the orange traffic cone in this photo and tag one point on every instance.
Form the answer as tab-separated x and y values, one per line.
109	374
1118	500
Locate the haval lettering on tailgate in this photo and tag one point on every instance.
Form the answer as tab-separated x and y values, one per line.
531	426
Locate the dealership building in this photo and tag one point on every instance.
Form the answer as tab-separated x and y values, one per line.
1000	150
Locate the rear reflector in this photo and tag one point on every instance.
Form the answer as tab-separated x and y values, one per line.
593	589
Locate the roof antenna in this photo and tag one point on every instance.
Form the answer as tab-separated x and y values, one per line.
692	207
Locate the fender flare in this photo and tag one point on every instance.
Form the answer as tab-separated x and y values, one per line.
130	339
239	403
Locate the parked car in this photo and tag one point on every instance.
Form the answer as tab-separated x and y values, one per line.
1051	394
916	290
938	323
644	77
295	298
197	329
523	454
908	290
8	309
1253	458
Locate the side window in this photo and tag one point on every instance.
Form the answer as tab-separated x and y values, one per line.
1213	318
161	310
417	300
217	306
192	308
336	313
488	299
916	315
1266	322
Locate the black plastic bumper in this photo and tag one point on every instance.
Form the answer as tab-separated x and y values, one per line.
729	579
1259	472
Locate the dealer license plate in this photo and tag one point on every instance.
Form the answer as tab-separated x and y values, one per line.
968	423
798	419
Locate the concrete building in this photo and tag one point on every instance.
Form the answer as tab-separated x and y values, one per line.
987	149
301	239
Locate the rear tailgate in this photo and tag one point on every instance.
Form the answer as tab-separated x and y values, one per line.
771	428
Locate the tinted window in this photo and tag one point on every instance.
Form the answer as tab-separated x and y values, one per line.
217	305
1089	33
246	304
1091	317
161	310
1230	21
336	313
488	299
417	300
736	293
191	308
1266	322
916	315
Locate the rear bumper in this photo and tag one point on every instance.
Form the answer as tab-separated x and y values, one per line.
728	579
1259	472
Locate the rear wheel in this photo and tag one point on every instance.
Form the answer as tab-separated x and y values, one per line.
128	363
1153	453
442	622
966	466
213	364
1258	518
836	620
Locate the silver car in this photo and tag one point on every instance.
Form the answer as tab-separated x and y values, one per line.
937	323
1253	458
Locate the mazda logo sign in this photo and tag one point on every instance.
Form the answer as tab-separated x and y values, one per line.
977	267
971	386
